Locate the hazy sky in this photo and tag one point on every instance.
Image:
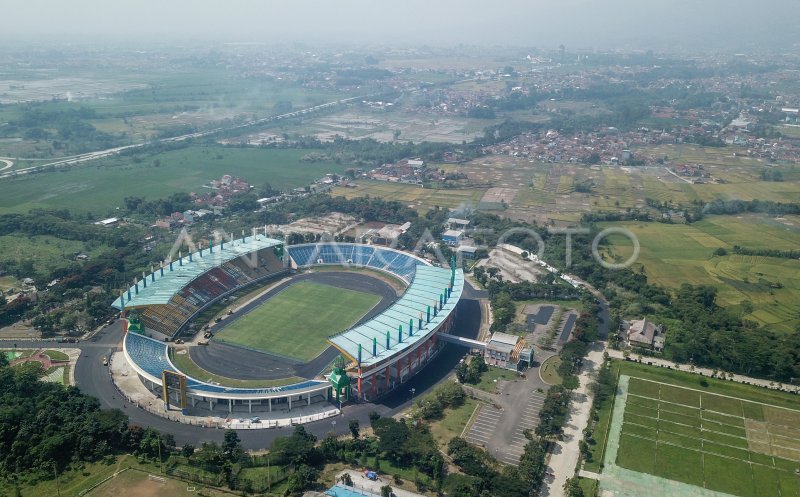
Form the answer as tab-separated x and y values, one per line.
575	23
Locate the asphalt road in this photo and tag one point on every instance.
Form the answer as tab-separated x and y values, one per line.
94	379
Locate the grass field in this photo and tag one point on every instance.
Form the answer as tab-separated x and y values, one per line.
492	376
549	371
56	355
133	483
673	254
295	322
723	437
108	181
44	251
74	481
57	374
453	422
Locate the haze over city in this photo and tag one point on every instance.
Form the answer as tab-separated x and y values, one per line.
713	24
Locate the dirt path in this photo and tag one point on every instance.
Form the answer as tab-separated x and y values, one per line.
565	456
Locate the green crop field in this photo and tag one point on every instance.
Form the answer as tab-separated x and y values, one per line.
44	251
108	181
666	425
295	322
673	254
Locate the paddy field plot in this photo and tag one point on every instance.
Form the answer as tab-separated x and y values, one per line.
673	254
108	181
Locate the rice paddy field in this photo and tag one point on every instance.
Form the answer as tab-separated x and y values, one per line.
108	181
673	254
678	436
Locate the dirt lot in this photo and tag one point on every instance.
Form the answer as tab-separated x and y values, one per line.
511	266
332	224
134	483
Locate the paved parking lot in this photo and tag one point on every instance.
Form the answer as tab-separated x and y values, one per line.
528	420
484	426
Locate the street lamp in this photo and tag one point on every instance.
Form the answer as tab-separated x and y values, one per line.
413	391
333	425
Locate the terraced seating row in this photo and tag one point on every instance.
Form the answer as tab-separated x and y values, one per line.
384	259
151	356
148	354
167	319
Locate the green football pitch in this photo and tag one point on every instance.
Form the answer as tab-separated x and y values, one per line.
295	322
713	443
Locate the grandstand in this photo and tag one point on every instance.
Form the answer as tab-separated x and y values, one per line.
388	260
179	290
150	358
391	347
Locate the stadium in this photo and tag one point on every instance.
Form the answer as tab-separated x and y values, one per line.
379	309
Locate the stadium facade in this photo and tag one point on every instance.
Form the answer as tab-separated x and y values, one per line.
381	353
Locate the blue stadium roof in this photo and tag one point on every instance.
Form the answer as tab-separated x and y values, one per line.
160	289
150	356
428	283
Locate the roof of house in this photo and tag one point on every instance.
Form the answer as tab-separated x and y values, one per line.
642	331
455	220
502	342
453	233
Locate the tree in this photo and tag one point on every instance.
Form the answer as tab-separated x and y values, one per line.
386	491
303	477
232	446
298	448
210	454
354	428
392	435
187	450
462	372
346	479
572	488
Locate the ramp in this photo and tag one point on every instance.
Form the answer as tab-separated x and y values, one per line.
464	342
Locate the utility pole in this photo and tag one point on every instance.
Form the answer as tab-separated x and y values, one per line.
269	476
160	461
58	485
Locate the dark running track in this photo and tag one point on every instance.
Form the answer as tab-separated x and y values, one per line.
241	363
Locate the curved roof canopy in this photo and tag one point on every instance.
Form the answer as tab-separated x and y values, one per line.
161	285
402	320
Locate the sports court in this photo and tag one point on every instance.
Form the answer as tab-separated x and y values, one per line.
670	441
295	322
